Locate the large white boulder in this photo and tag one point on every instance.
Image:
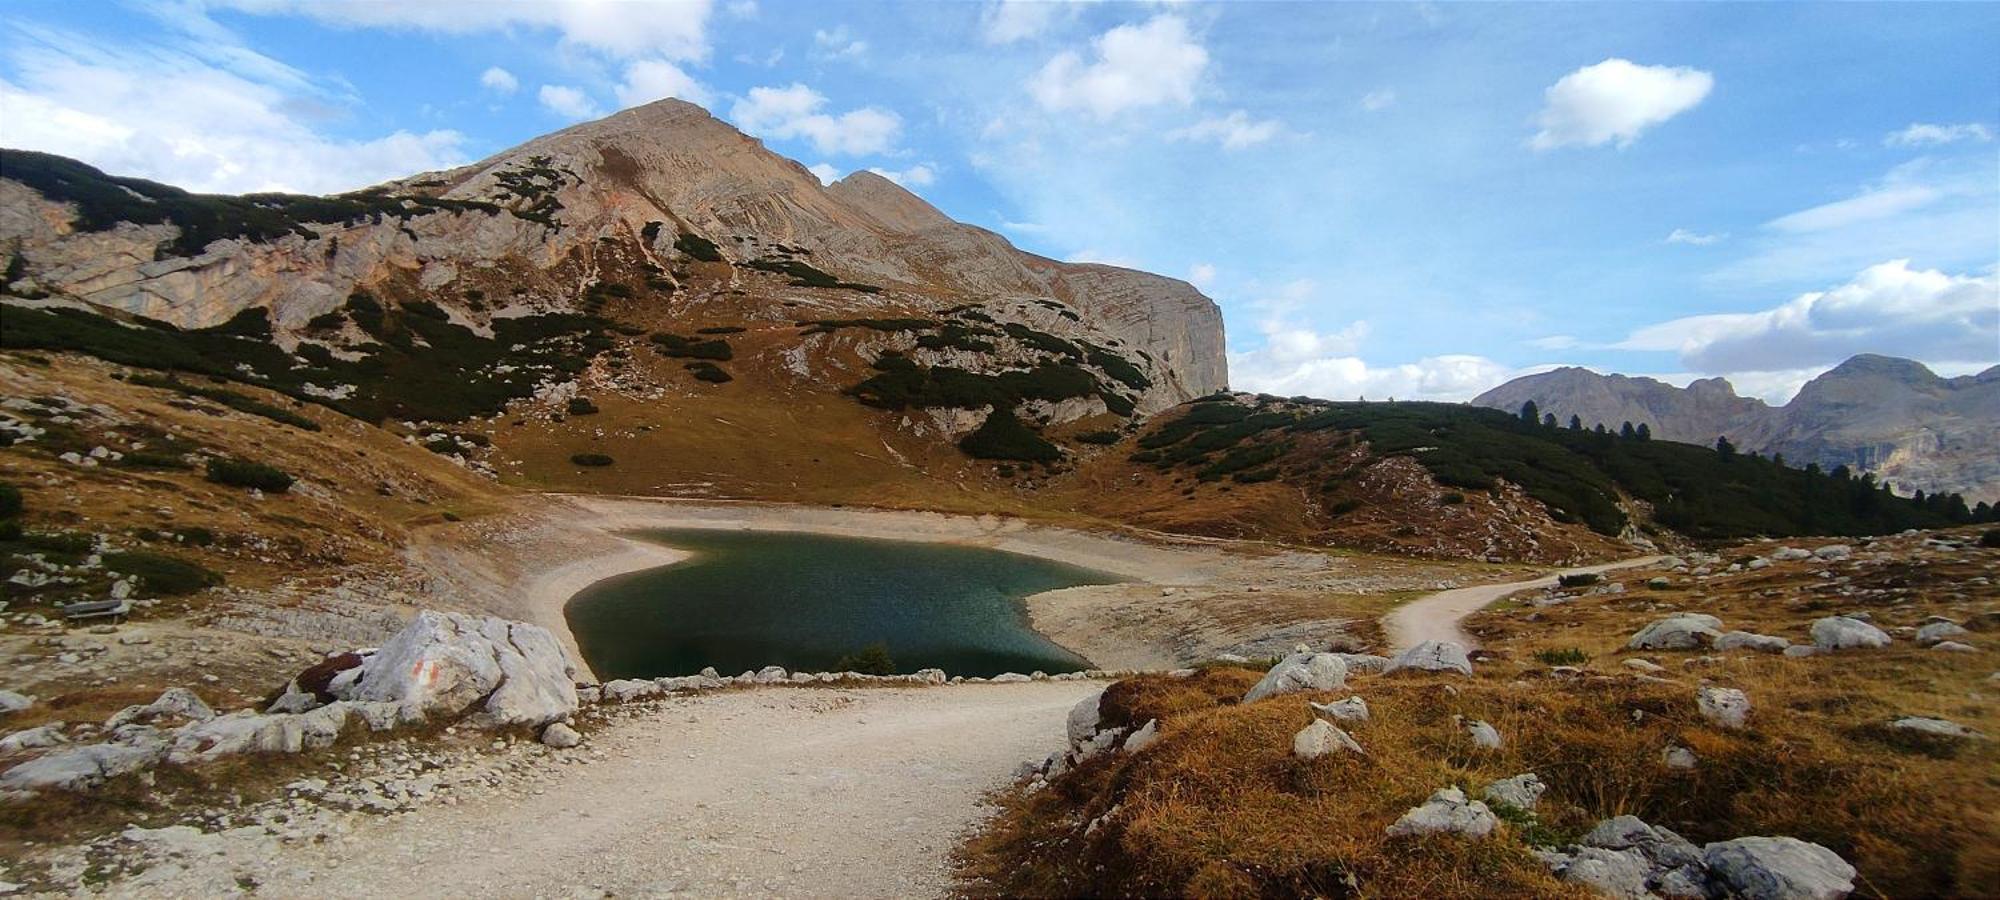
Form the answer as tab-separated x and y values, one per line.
1681	631
11	702
175	703
448	664
1523	792
1083	717
49	735
81	768
1727	707
1844	633
1352	709
1778	868
1750	640
1447	811
237	733
1322	738
1300	672
1433	656
1938	632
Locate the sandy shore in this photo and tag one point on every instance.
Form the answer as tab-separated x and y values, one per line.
1182	599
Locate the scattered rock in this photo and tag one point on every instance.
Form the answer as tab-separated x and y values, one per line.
1144	737
1447	811
1846	633
1644	665
11	702
1083	719
1352	709
1484	736
1954	647
49	735
1681	631
1778	868
1522	792
560	736
1300	672
81	768
1678	757
179	703
1787	554
1939	632
1321	738
1433	656
1727	707
1940	727
1749	640
446	664
1833	552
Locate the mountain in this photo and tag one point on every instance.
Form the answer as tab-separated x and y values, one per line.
1891	417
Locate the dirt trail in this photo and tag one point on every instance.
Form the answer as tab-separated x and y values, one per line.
768	792
1436	617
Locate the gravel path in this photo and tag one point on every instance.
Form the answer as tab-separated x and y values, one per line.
768	792
1437	617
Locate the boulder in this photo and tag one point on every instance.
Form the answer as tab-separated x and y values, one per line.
1522	792
1144	737
501	673
626	690
1833	552
1322	738
1009	678
1939	632
49	735
1678	757
1954	647
1664	849
11	702
1613	873
237	733
1352	709
1433	656
1447	812
1364	663
176	703
1484	736
1750	640
1727	707
1300	672
1778	868
1083	719
82	768
1681	631
1646	666
321	726
1786	554
560	736
1933	726
1846	633
772	675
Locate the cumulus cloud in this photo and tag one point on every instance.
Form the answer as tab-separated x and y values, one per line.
795	112
204	115
1694	238
567	101
499	80
839	43
1923	135
1375	101
1616	100
675	29
1201	275
1888	308
825	172
1448	378
1234	131
1129	67
915	176
654	79
1008	21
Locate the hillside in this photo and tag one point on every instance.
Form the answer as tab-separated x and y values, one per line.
1893	418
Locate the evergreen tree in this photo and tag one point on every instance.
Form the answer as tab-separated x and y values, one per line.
1530	413
1724	448
1575	423
1549	420
1628	432
1645	432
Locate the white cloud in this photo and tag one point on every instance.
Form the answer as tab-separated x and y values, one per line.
1554	342
499	80
1616	100
1375	101
653	79
1923	135
1889	308
567	101
825	172
203	115
1879	203
1094	255
1201	275
915	176
675	29
794	112
1234	131
1008	21
1131	66
1449	378
1695	238
839	44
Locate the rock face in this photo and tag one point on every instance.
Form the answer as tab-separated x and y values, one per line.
1778	868
1300	672
447	664
639	179
1888	416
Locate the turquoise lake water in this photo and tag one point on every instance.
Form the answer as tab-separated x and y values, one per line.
749	599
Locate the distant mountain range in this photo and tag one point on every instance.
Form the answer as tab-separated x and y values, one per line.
1892	417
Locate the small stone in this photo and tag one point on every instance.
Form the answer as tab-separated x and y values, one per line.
1321	738
1447	811
1678	757
1522	792
560	736
1727	707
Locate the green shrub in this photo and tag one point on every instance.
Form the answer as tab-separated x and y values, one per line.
196	536
1003	436
1567	656
10	530
1342	508
1452	498
590	459
581	406
1991	538
1098	437
873	659
244	473
722	329
162	574
1578	579
674	345
698	247
709	372
147	459
10	501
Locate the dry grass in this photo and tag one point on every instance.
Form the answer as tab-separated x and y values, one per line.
1219	807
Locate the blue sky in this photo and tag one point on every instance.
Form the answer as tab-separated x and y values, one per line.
1387	200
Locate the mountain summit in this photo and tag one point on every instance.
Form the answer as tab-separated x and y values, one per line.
1881	414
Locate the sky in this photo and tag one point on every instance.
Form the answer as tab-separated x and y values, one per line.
1415	201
